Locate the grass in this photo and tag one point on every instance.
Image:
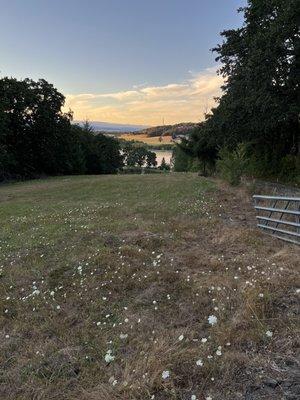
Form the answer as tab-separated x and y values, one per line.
133	266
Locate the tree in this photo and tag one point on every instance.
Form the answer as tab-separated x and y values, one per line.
101	153
201	145
181	160
260	103
137	155
164	166
151	159
36	137
35	132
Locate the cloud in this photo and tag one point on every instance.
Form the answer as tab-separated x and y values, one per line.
148	105
173	89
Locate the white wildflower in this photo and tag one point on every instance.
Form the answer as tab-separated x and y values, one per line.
165	374
269	334
109	357
123	336
212	320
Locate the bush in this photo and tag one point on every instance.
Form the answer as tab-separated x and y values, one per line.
290	167
232	164
181	160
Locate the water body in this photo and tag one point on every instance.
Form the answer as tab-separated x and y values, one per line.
160	154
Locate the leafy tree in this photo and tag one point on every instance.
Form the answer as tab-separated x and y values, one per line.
101	154
201	145
181	160
151	159
260	102
141	155
136	155
34	130
36	137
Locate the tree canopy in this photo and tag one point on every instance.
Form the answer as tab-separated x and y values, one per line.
37	138
260	105
135	154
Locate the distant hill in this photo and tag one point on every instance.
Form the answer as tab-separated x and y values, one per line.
135	130
168	130
113	128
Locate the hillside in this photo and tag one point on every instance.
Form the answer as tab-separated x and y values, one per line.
152	141
143	287
168	130
159	135
112	128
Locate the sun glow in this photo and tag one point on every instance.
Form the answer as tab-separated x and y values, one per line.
176	102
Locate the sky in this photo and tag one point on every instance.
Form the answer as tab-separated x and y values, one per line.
120	61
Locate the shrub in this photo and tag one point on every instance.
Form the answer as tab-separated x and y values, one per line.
289	167
232	164
181	160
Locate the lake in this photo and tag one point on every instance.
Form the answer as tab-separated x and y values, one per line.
160	154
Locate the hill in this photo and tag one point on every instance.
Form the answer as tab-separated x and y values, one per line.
113	128
168	130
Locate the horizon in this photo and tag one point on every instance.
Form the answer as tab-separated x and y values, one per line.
130	64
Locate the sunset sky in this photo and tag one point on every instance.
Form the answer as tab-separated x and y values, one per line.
120	61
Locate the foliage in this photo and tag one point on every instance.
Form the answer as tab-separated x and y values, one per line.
162	146
134	154
181	160
232	163
164	166
290	167
260	102
168	130
37	138
151	159
200	145
101	153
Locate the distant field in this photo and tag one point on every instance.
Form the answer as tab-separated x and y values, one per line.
142	287
149	140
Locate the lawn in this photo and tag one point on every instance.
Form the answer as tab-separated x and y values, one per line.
143	287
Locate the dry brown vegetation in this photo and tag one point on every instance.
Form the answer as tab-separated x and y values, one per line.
132	267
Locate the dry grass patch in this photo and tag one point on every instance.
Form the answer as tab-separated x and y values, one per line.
104	296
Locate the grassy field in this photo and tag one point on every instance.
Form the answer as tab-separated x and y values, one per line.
154	140
143	287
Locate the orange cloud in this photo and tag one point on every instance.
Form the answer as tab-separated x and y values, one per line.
175	102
